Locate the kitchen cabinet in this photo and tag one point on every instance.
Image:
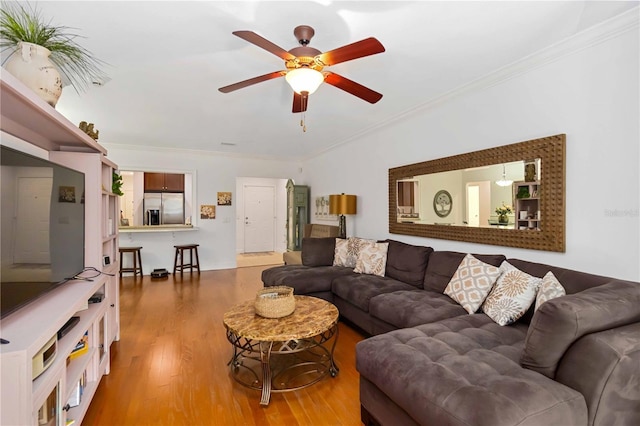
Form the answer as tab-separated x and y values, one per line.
163	182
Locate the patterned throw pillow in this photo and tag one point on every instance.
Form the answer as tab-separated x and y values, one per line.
471	283
346	252
549	289
512	295
372	259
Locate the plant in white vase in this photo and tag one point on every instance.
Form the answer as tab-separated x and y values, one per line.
37	52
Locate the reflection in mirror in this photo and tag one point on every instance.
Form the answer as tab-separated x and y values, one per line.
511	195
156	198
470	197
408	200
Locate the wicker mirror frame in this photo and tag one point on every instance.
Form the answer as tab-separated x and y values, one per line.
551	152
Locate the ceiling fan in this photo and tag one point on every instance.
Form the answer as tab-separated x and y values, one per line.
304	66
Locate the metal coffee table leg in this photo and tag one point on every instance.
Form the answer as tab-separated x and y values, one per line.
265	356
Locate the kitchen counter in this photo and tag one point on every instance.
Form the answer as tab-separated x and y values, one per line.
156	228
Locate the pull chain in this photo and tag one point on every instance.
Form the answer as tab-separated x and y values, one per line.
303	119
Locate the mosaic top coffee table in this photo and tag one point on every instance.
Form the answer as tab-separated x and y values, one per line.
283	354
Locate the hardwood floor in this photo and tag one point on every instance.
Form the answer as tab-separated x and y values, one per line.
170	365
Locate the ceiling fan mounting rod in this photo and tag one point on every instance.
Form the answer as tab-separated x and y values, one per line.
303	34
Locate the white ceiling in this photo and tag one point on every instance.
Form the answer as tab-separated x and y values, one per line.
167	59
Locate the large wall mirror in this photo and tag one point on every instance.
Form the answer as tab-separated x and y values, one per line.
512	195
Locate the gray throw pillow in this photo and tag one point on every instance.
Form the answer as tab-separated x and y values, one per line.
318	251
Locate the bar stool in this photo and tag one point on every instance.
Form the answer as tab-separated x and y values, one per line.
180	253
137	260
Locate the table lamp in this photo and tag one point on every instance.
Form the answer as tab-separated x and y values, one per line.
342	204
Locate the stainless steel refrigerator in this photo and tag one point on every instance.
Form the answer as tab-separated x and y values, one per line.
170	206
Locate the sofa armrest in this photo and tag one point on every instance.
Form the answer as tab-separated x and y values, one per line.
603	367
559	322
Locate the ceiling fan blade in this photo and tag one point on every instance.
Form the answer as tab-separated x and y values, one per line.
262	42
352	87
359	49
299	103
249	82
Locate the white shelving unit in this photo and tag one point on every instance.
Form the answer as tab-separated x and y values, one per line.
27	117
527	205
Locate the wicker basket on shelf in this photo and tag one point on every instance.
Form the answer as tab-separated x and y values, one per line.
275	302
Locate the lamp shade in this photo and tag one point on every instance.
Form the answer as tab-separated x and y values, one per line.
342	204
304	80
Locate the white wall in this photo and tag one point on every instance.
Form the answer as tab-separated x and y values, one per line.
590	94
212	173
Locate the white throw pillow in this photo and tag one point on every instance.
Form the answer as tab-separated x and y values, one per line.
340	252
549	289
471	283
372	259
513	294
346	251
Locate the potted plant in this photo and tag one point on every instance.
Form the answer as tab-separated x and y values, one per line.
116	184
502	212
36	52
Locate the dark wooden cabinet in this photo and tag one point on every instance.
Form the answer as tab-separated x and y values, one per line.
163	182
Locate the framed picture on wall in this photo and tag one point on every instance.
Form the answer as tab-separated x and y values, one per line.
322	208
224	198
207	211
67	194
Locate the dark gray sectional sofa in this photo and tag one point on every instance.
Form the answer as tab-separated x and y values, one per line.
576	361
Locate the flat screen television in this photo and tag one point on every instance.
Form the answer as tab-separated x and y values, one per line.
42	228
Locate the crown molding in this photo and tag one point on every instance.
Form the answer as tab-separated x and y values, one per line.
196	152
589	37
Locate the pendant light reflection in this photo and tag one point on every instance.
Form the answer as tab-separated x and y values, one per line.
503	181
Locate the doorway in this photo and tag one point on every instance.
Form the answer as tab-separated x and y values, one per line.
478	201
32	220
259	218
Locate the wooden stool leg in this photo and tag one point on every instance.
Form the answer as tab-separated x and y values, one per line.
120	264
197	260
140	263
175	261
135	264
181	261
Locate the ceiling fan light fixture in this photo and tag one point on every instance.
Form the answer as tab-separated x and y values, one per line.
304	80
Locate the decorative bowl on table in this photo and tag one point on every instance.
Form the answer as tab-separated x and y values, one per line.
275	302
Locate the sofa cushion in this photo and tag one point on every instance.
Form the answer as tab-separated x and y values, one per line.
318	251
346	251
465	371
303	279
471	283
407	263
372	259
416	307
443	264
550	288
560	322
514	292
358	289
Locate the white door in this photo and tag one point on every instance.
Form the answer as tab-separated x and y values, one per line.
32	220
259	218
479	203
473	205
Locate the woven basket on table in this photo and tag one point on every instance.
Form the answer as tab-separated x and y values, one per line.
275	302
